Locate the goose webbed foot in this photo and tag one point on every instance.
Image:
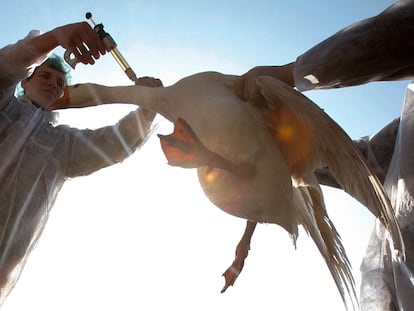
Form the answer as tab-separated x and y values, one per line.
242	250
183	148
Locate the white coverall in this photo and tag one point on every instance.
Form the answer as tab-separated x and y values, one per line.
36	157
378	48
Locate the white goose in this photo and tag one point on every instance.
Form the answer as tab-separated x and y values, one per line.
257	160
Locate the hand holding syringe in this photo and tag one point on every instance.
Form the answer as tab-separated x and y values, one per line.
110	46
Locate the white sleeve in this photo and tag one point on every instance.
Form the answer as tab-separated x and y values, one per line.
18	60
375	49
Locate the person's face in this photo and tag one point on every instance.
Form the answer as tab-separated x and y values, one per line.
44	86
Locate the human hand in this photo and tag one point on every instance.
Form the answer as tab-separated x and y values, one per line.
148	115
149	81
246	87
81	40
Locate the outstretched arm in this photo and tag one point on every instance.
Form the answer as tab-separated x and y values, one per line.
375	49
91	150
18	60
79	38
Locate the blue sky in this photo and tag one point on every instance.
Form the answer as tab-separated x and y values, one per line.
141	234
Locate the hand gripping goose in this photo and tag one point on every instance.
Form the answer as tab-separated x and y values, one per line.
257	160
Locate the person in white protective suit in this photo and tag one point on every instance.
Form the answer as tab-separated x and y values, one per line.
37	156
380	48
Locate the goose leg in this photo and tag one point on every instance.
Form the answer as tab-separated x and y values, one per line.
183	148
242	250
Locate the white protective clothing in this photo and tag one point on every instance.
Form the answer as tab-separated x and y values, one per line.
37	157
378	48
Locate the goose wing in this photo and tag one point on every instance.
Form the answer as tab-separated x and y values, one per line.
309	139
